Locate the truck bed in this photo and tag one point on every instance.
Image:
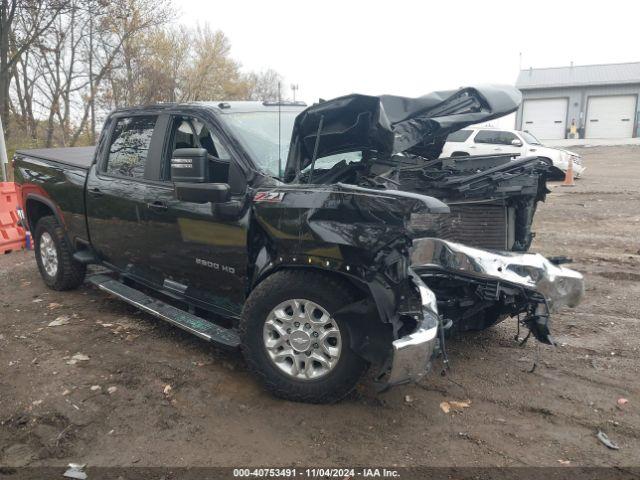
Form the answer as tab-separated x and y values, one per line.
80	157
56	177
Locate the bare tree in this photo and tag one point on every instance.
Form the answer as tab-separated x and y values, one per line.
21	24
265	85
69	65
213	74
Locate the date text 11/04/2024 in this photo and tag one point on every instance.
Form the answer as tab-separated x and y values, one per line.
315	473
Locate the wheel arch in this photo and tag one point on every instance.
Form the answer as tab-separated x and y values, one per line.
370	328
37	207
357	286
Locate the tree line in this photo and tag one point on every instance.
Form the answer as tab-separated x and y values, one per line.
65	63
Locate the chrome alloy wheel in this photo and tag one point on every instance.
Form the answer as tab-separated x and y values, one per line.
302	339
48	254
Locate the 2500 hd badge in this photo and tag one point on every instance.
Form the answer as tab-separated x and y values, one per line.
215	266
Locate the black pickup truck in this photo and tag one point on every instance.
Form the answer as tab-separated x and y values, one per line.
320	240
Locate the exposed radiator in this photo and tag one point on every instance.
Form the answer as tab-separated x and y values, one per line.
483	225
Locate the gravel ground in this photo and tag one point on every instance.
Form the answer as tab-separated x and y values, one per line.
147	394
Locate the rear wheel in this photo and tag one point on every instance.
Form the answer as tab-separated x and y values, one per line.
292	342
54	256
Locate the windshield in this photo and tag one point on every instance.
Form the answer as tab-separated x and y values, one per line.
328	162
530	139
258	131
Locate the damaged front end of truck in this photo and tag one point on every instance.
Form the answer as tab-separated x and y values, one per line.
432	244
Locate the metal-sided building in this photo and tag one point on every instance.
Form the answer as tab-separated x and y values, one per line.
602	101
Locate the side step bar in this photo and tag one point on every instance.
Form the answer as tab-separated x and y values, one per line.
191	323
85	256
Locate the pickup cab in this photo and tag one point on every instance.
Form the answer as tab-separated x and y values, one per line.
321	241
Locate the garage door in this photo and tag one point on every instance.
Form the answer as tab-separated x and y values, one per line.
546	119
610	117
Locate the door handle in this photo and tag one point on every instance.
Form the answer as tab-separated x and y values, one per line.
95	192
158	205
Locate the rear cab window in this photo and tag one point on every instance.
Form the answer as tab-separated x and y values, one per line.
129	147
459	136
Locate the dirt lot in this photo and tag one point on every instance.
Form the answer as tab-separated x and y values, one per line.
116	409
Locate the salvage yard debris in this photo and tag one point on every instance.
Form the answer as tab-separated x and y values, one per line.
76	470
454	405
78	357
604	439
61	320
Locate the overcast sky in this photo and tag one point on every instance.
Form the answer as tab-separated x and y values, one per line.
332	48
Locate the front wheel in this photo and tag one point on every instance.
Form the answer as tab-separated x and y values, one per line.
292	342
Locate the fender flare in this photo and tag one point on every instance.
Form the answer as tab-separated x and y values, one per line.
45	201
382	295
34	197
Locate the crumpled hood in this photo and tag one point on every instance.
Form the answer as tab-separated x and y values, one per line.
389	124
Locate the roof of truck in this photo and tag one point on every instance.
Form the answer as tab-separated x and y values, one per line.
82	157
251	106
221	106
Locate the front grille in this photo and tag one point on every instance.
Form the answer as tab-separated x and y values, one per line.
477	225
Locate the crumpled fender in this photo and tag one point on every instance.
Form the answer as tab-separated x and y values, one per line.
356	232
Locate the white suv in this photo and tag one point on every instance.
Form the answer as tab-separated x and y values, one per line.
492	141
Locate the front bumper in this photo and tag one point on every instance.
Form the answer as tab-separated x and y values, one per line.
412	354
560	286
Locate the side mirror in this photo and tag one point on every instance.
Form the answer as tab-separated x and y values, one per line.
516	143
202	192
189	165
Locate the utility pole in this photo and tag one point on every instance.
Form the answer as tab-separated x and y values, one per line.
3	154
294	87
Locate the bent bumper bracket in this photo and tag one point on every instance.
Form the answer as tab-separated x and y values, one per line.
412	354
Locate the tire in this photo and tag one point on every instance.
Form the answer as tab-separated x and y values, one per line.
555	174
315	288
68	274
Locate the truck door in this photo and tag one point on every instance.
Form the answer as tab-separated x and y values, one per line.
203	252
120	194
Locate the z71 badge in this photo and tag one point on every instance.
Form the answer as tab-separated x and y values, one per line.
270	197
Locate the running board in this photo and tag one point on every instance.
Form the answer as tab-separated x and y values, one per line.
184	320
85	256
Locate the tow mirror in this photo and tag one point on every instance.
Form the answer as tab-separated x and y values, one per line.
189	165
202	192
190	173
516	143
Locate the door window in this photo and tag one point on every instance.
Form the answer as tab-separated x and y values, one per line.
495	137
130	146
193	133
